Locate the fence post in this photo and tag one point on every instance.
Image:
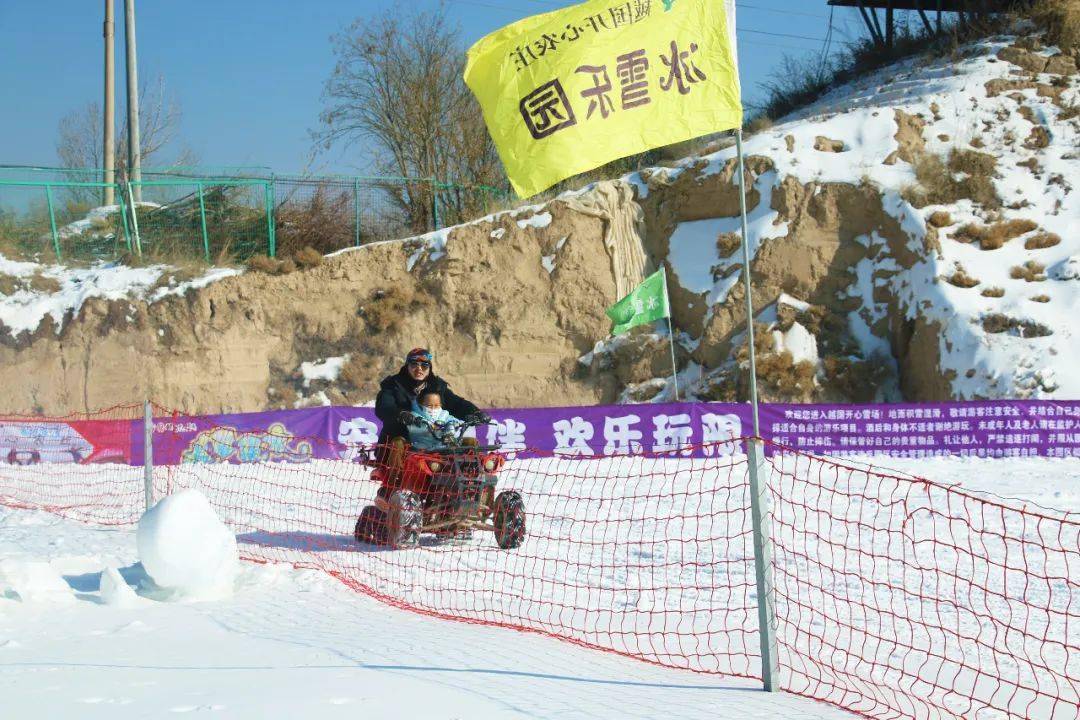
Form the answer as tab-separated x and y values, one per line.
52	221
134	221
271	229
123	216
763	569
356	208
148	454
202	216
434	204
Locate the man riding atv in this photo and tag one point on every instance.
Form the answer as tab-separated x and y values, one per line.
441	482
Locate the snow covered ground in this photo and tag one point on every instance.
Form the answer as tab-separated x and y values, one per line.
298	641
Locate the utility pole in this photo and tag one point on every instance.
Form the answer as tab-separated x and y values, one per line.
134	160
109	152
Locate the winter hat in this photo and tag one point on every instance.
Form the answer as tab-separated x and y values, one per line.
418	354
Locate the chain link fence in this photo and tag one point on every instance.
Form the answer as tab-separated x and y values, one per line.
219	216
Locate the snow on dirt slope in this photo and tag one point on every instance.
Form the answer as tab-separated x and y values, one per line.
59	291
967	296
297	643
996	273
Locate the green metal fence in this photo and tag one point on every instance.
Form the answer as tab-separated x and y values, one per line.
220	216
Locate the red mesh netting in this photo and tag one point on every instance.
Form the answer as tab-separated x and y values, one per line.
77	466
898	597
648	557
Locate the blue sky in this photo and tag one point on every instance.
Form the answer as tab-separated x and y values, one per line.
249	73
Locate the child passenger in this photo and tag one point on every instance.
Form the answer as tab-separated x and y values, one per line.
429	407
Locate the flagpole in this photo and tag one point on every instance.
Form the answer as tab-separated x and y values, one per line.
746	284
671	338
759	499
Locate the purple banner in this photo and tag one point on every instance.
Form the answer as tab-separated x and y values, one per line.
1000	428
983	429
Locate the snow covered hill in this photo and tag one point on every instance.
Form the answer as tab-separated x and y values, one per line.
956	177
30	292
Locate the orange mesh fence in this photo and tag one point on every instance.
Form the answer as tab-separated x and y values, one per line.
899	597
77	466
895	597
643	556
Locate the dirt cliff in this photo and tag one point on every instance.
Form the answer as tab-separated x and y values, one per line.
508	304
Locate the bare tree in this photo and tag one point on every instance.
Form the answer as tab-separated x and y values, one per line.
79	145
397	85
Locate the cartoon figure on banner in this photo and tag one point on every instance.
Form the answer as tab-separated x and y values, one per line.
718	433
356	436
227	444
33	443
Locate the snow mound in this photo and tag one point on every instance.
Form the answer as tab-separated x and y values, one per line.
32	581
115	590
186	549
326	369
799	341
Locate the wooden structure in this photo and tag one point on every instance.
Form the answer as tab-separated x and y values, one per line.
883	33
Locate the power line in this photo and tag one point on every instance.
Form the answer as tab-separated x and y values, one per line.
777	10
828	42
775	45
786	35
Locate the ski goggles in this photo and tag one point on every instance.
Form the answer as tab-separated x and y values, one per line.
419	357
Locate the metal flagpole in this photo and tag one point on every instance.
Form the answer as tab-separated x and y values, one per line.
671	337
759	505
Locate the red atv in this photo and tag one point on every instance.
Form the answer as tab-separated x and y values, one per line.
449	492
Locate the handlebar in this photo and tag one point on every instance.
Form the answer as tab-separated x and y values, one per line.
446	432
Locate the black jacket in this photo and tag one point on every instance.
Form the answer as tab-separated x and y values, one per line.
396	393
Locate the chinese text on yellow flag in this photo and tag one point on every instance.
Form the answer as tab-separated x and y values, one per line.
570	90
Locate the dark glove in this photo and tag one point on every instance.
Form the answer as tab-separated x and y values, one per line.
408	419
480	418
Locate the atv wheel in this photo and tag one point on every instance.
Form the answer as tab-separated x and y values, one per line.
405	519
371	526
509	519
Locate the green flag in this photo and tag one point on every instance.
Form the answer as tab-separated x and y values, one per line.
647	303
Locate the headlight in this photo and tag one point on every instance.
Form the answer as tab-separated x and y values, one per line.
435	465
490	464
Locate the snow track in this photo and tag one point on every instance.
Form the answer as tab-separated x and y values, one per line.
296	643
895	596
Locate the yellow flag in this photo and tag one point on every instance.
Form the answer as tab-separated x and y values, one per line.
570	90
